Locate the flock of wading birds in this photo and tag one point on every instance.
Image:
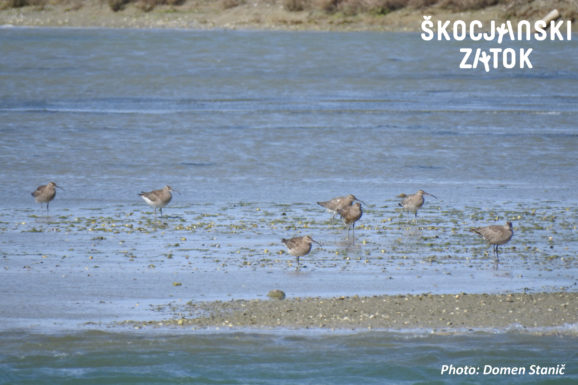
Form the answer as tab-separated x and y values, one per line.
348	207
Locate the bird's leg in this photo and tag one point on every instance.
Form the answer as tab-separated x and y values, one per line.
497	260
353	231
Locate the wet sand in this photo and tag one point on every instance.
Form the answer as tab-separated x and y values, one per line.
446	312
105	267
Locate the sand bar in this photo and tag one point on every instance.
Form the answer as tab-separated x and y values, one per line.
447	312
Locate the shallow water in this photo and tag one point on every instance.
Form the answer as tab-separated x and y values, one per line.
253	128
281	358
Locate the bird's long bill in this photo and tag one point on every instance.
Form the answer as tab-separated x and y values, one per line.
316	242
426	193
58	187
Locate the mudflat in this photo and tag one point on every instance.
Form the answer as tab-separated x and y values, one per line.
441	311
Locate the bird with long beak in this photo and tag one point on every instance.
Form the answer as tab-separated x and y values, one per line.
350	215
45	194
299	246
496	235
339	203
415	201
158	198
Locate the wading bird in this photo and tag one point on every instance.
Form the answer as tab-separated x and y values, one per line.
339	203
158	198
45	194
350	215
415	201
299	246
496	235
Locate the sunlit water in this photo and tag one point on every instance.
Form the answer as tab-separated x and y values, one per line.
280	358
252	129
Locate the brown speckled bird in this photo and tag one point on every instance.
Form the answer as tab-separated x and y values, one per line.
339	203
299	246
415	201
496	235
350	215
158	198
45	194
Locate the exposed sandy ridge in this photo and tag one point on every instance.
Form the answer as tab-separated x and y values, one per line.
450	311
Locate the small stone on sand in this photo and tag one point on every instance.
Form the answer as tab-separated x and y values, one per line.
276	294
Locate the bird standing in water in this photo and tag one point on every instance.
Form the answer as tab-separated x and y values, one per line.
158	198
338	203
496	235
299	246
45	194
415	201
350	215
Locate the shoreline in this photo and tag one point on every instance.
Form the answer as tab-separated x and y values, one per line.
259	15
441	312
